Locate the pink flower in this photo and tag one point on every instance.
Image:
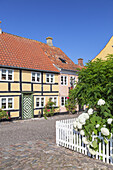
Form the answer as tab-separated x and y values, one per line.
48	110
67	97
9	118
71	88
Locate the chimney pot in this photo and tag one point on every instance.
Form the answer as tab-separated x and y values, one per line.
49	41
80	62
0	28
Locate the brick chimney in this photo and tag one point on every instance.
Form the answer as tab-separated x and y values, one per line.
0	28
49	41
80	62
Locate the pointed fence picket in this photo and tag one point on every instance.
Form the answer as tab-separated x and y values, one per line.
69	138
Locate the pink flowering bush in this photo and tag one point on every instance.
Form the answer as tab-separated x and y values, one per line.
3	114
49	109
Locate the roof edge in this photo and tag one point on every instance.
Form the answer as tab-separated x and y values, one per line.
23	68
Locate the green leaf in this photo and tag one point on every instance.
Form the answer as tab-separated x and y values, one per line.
95	131
94	143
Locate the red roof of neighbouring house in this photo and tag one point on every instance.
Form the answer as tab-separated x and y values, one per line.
21	52
56	55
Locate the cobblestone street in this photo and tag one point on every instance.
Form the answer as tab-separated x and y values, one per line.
31	145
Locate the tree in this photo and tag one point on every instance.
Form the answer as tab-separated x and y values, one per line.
95	82
70	103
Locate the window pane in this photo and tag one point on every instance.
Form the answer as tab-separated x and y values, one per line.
3	76
47	79
61	79
42	102
37	102
3	103
65	99
38	77
65	80
51	80
9	74
55	101
62	101
10	103
33	76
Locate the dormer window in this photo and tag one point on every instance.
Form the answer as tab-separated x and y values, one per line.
63	60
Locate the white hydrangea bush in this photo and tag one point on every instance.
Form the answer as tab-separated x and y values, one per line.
94	121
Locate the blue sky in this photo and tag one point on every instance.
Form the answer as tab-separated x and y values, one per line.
81	28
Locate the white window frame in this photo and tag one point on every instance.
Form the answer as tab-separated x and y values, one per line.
56	99
36	77
40	102
64	80
7	103
6	74
75	80
65	98
50	78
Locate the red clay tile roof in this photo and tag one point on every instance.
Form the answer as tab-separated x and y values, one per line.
54	53
23	53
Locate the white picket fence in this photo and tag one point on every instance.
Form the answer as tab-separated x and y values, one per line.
69	138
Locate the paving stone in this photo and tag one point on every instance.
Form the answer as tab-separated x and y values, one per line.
38	151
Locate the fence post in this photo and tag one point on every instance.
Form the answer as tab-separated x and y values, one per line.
57	133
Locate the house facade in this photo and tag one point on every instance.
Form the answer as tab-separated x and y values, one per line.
108	49
27	77
68	76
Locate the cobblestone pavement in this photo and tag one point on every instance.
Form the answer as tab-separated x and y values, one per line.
41	153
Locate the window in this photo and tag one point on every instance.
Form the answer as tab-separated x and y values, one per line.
55	100
63	101
6	103
63	60
63	80
40	102
36	77
72	81
49	78
6	75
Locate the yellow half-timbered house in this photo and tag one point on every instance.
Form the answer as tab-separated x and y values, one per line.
27	77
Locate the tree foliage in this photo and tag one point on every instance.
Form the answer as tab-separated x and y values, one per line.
95	82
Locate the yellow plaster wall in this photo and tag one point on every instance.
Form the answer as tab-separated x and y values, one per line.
15	87
108	49
36	112
56	78
36	87
16	102
46	87
14	114
26	76
2	94
55	88
51	94
3	86
16	75
26	87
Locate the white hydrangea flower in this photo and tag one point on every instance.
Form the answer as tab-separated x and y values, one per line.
82	132
92	152
97	126
85	115
79	125
82	121
77	120
109	121
101	102
104	125
85	141
105	131
90	111
74	124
